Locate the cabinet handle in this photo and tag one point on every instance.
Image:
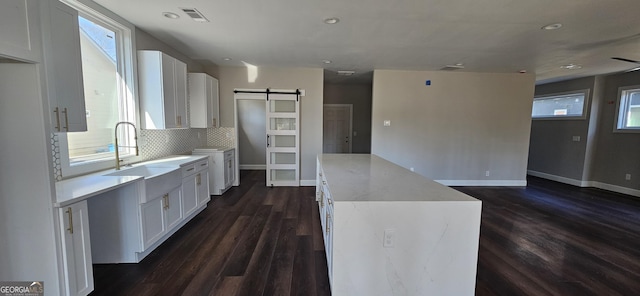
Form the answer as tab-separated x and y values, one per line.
327	221
321	199
214	122
268	142
57	112
191	169
166	201
324	182
198	181
70	214
66	119
229	163
203	164
329	201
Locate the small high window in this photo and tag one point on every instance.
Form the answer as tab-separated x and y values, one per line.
629	109
567	105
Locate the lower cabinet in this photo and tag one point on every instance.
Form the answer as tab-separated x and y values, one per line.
195	187
76	248
159	215
202	188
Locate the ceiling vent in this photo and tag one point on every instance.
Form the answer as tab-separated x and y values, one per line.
346	73
195	15
452	67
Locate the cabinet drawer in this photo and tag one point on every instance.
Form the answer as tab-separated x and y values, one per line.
188	170
202	165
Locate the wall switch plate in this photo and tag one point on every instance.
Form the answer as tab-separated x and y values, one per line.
487	173
576	138
627	177
387	123
389	238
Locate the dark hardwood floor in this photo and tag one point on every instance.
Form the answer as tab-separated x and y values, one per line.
555	239
545	239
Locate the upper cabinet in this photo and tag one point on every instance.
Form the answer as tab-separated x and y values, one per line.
63	64
20	33
163	90
204	100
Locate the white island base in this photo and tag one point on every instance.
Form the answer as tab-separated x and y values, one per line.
432	231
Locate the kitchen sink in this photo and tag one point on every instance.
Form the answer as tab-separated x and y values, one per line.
157	180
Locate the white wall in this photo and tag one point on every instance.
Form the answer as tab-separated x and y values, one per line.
309	79
456	129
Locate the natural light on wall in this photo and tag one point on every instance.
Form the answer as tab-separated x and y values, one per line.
252	72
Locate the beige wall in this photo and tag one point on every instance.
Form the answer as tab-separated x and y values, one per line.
456	129
309	79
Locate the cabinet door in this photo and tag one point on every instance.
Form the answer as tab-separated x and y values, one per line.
329	241
169	91
173	208
180	76
76	247
215	103
64	70
20	29
153	221
202	180
189	194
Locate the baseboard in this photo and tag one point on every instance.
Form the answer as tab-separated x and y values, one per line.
616	188
580	183
509	183
560	179
253	167
307	182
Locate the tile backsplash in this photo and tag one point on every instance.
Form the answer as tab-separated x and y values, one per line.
160	143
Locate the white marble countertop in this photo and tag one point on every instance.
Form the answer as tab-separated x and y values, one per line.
367	177
76	189
216	148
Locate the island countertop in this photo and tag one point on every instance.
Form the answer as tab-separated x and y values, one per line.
367	177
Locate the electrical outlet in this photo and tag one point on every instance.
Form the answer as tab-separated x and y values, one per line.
389	238
199	135
387	123
228	135
487	173
166	139
627	177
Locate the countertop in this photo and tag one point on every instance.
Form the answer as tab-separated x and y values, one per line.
367	177
76	189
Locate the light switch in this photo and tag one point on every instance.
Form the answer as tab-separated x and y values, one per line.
576	138
387	123
389	238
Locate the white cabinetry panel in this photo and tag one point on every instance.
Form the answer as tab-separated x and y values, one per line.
76	248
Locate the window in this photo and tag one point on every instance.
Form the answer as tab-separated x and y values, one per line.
629	109
566	105
107	69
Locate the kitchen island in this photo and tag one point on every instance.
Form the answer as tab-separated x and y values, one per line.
390	231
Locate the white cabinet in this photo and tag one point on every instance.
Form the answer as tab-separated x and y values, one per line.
222	169
160	215
195	187
20	34
163	90
203	101
63	64
76	248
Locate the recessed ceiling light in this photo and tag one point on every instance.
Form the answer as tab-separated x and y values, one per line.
326	61
331	20
227	59
523	71
170	15
552	26
571	67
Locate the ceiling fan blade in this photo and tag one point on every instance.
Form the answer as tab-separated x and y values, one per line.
626	60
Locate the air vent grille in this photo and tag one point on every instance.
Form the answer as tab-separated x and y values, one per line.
195	14
346	73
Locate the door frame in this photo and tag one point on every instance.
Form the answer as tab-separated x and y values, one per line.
254	94
350	106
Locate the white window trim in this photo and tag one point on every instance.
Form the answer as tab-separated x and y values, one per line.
616	122
585	106
128	64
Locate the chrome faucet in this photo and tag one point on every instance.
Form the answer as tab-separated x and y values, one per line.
135	137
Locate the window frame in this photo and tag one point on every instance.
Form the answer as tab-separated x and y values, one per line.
617	123
127	86
585	105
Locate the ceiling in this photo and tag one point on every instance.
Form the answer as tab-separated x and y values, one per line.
503	36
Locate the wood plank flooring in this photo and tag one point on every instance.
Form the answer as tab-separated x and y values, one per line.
555	239
545	239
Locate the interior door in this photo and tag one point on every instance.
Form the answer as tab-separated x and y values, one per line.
283	140
336	128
